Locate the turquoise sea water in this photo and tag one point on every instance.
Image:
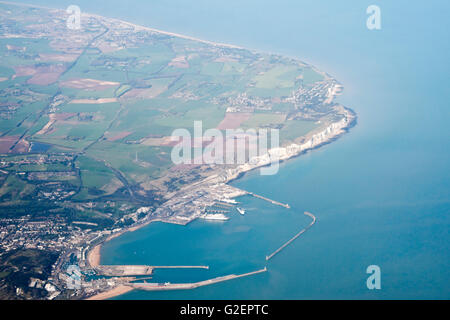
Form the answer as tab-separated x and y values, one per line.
381	193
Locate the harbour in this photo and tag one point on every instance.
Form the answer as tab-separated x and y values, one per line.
186	286
136	270
270	256
364	187
285	205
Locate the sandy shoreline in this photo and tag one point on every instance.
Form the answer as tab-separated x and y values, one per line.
94	254
138	27
117	291
135	26
93	257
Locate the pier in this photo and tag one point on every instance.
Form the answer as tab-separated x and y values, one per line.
294	237
270	200
219	203
181	267
137	270
185	286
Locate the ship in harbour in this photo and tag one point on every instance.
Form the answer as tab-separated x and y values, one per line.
241	211
217	217
230	201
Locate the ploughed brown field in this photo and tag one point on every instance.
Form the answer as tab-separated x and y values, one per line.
90	84
119	136
148	93
43	75
233	120
94	101
7	142
58	57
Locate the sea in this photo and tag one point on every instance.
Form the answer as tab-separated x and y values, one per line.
381	193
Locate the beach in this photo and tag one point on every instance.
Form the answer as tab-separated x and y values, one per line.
314	139
382	191
117	291
94	256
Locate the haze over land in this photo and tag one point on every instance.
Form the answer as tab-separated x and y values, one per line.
86	117
380	193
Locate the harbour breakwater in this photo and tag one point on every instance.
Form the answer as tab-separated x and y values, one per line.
314	140
185	286
216	188
270	256
136	270
270	200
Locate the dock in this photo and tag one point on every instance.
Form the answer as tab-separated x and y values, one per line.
136	270
181	267
294	237
270	200
184	286
219	203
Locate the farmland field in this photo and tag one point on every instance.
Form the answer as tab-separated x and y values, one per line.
91	113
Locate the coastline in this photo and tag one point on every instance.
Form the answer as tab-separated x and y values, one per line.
135	26
138	27
94	255
117	291
93	259
346	129
322	138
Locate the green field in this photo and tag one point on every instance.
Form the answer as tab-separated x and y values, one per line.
262	120
160	83
277	77
293	129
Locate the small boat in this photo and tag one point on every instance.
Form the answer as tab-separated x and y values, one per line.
241	211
